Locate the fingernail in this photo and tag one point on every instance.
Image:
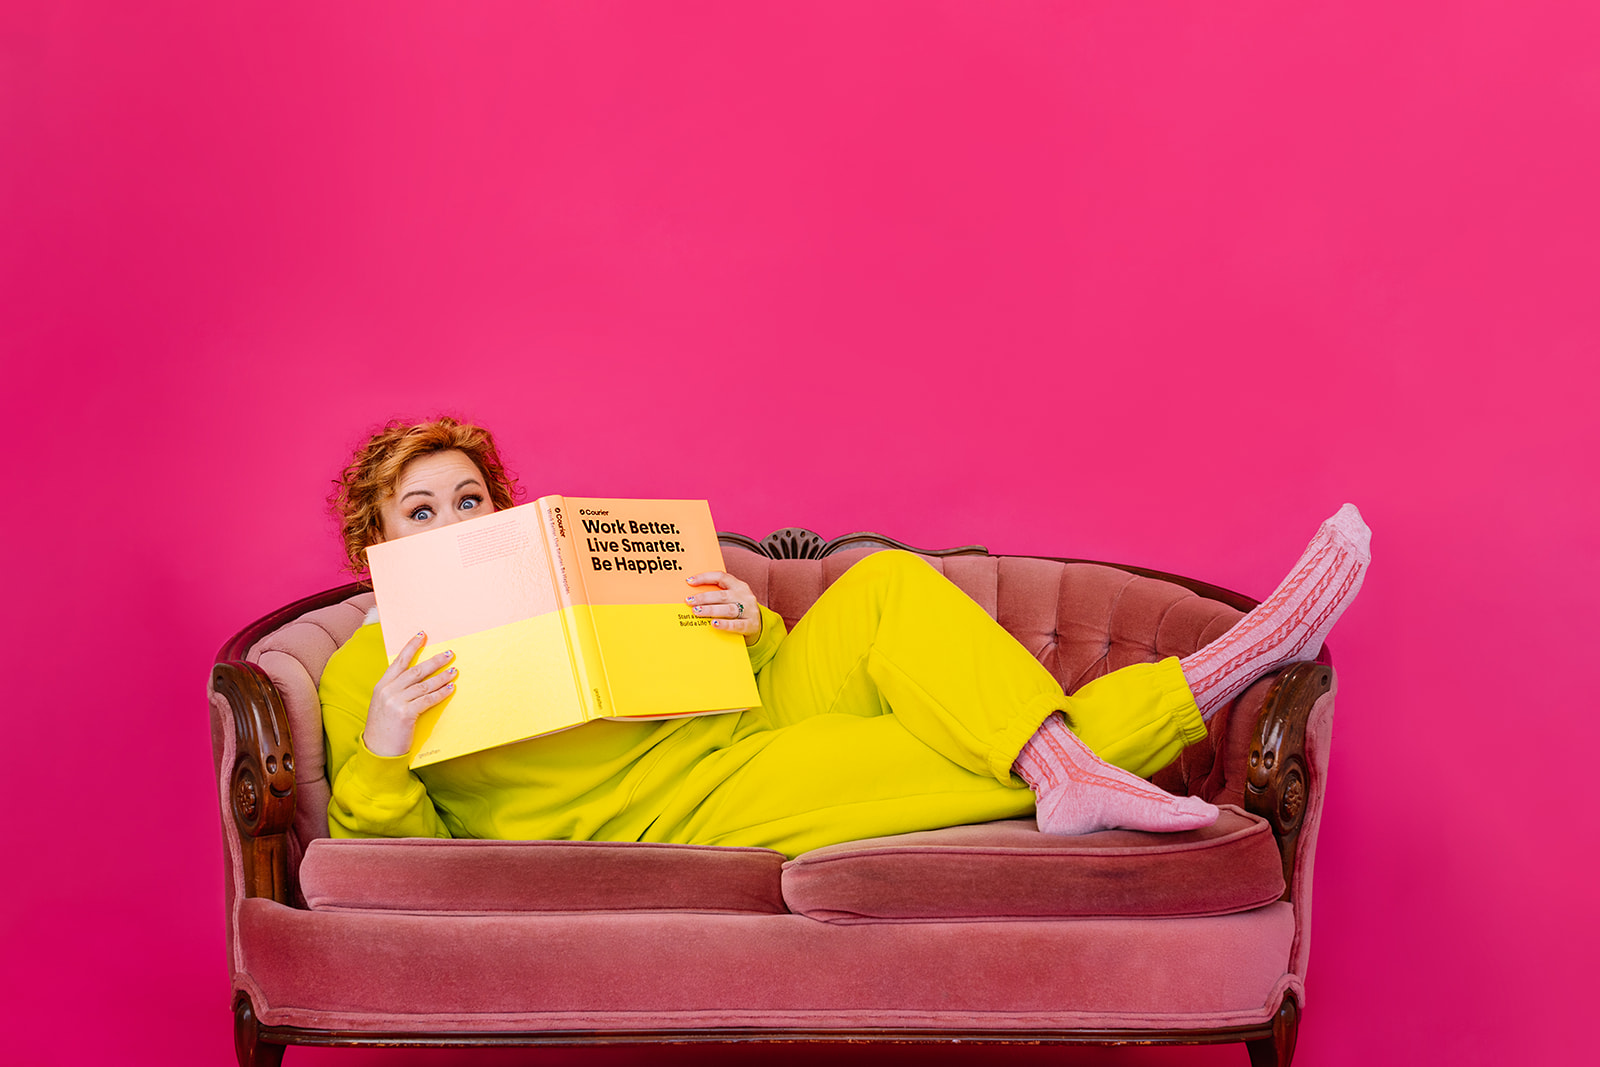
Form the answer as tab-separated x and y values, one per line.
452	671
449	687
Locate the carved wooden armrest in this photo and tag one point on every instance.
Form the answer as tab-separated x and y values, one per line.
261	780
1277	784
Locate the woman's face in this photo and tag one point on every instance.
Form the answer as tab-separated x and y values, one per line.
433	491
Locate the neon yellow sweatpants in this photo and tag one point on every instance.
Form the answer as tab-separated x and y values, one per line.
897	704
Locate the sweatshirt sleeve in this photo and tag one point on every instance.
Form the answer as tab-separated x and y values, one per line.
372	796
773	631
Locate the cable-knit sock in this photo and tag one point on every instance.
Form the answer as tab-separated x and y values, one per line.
1290	625
1078	793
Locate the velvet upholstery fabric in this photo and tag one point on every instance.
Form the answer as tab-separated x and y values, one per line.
1009	870
430	876
294	657
380	956
1319	738
382	970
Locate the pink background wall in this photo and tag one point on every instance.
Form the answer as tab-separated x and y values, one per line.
1157	282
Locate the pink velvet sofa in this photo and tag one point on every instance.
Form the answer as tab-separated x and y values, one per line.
989	933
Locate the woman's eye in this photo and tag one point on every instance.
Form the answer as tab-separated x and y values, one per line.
422	515
470	502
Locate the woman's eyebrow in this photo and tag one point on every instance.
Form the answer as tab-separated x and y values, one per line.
429	492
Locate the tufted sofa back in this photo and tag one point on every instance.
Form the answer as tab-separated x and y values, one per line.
1080	620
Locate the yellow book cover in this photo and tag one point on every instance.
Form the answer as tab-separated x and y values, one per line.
559	612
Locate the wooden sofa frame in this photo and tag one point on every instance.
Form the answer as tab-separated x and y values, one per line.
262	793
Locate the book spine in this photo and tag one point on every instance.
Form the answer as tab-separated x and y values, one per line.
582	645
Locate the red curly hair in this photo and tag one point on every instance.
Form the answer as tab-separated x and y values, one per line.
373	472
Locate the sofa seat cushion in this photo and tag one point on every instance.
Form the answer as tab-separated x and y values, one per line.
428	877
640	974
1010	871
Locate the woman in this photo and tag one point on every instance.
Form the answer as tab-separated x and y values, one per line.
896	704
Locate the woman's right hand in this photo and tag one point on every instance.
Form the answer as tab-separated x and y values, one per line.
403	693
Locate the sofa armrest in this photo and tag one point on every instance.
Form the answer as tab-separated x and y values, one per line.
261	786
1278	782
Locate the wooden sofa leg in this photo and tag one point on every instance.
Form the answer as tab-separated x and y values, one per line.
1277	1050
247	1043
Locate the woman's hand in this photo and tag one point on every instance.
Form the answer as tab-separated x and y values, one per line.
402	693
731	606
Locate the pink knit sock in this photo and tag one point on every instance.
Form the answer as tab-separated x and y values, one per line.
1290	625
1079	793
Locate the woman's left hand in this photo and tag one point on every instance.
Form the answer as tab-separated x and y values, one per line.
731	606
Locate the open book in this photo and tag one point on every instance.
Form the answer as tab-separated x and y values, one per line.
561	611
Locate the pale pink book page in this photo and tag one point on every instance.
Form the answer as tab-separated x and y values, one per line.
462	579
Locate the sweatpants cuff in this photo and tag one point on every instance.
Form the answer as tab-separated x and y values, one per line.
1138	718
1021	730
1183	709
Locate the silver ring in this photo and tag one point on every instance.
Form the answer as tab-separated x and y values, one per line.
741	610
